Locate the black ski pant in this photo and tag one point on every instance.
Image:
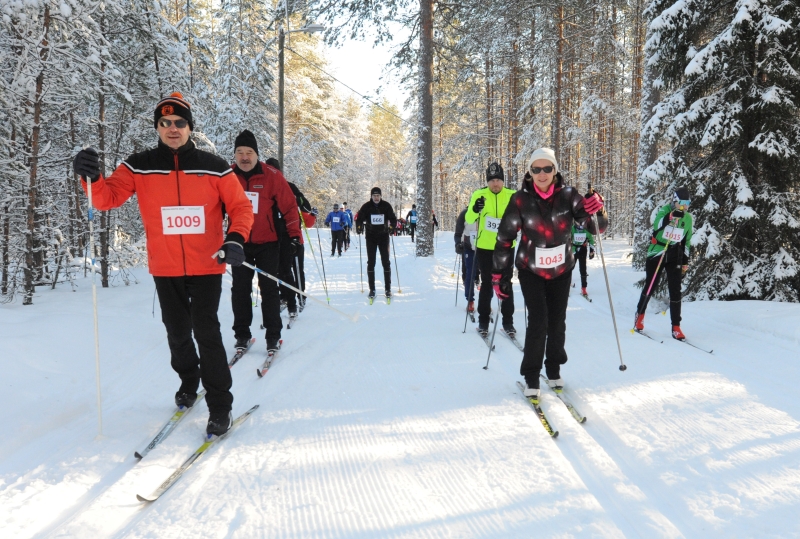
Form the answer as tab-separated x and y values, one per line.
189	307
337	241
484	259
300	271
580	254
674	278
346	238
381	243
412	228
546	300
266	257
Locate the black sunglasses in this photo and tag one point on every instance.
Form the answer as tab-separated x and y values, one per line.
546	170
180	124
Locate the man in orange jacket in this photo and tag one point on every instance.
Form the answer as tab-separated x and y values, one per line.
181	192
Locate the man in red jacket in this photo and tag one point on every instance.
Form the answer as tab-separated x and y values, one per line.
269	193
181	192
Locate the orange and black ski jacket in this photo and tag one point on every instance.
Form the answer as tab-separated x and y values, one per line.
163	178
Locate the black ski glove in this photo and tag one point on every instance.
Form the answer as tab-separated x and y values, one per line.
87	164
591	253
359	229
232	251
460	248
295	246
479	204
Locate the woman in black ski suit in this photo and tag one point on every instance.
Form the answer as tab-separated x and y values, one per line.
544	209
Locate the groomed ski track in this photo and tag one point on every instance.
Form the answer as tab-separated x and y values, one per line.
389	427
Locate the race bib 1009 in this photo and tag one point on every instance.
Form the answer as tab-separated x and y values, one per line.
492	224
183	220
674	235
579	237
377	220
550	258
253	200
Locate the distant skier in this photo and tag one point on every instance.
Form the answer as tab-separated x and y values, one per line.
411	219
181	191
464	238
348	226
337	219
668	250
377	218
582	244
435	223
486	208
544	210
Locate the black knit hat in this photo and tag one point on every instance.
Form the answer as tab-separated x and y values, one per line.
682	193
273	163
375	191
176	105
494	170
246	138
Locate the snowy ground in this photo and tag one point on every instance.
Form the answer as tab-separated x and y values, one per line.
389	427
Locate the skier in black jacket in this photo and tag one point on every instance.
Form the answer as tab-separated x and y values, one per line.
544	209
378	220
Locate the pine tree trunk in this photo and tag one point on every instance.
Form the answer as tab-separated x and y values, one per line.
424	243
30	233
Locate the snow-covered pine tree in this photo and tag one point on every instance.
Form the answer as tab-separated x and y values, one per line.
729	121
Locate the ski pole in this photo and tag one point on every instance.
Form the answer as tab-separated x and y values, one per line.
661	259
458	279
360	262
300	285
491	344
322	259
396	269
90	218
311	244
622	365
471	285
221	254
453	274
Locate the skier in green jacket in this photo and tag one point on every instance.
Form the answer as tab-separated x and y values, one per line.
582	244
486	208
669	249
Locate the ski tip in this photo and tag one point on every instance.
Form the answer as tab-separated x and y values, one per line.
258	372
555	434
138	456
582	421
143	499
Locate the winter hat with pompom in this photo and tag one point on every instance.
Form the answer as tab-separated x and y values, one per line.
174	104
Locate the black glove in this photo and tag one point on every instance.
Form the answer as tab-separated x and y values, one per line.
479	204
314	212
87	164
460	248
591	253
359	229
676	214
232	251
295	246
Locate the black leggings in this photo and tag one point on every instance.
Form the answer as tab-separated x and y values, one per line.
546	300
373	244
674	277
266	257
580	254
485	259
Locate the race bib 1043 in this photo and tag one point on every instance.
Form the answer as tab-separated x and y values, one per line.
492	224
579	237
550	258
183	220
253	200
377	220
674	235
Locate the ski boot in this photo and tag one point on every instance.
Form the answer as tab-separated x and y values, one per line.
638	322
218	423
371	296
388	296
677	333
583	291
471	307
532	388
185	400
557	383
242	343
509	329
483	329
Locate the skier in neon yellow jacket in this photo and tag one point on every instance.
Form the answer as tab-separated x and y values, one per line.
486	208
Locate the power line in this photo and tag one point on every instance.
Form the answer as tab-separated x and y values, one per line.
348	87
